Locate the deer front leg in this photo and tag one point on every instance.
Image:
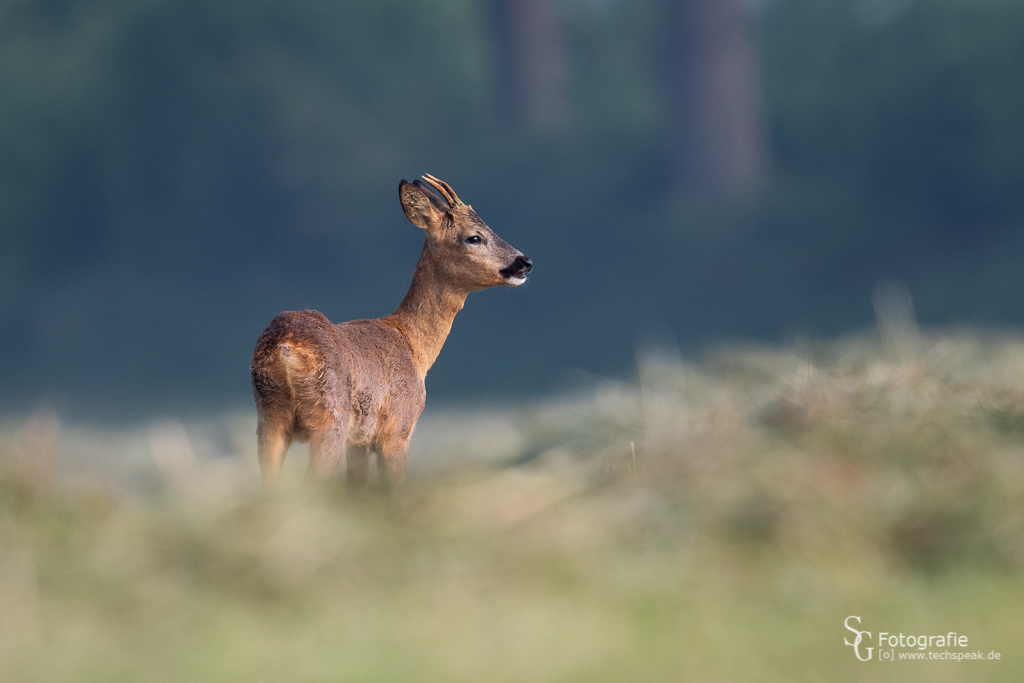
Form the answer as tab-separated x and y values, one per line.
391	461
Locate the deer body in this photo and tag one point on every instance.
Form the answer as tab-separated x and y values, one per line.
357	388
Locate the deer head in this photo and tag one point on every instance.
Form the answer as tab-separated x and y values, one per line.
464	251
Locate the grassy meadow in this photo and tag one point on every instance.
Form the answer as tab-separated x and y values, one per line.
712	520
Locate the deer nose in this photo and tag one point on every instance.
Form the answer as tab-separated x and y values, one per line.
526	263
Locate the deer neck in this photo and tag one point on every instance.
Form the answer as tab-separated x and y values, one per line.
426	313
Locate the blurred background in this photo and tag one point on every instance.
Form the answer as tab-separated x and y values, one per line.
174	173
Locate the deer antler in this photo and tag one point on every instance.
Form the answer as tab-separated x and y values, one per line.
445	189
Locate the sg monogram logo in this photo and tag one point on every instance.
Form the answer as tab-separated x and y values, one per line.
856	641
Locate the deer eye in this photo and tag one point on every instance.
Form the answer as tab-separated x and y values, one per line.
475	239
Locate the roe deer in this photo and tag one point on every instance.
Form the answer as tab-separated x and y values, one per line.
358	387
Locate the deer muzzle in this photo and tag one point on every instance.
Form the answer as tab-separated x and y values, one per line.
515	274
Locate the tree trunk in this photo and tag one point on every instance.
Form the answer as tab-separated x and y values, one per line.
531	63
716	137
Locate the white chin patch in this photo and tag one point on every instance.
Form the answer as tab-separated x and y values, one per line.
515	280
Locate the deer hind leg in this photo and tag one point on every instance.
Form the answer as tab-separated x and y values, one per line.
357	461
272	442
327	452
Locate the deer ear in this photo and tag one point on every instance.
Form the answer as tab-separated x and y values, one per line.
440	204
422	210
